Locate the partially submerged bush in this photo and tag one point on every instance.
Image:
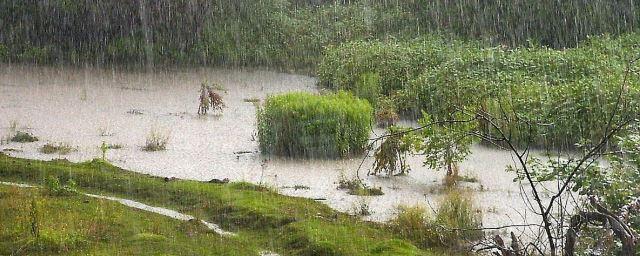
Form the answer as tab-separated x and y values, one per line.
209	99
23	137
455	222
59	148
156	141
358	188
305	125
390	157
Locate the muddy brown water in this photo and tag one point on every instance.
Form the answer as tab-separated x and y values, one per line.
83	107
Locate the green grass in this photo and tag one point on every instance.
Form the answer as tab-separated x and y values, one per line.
305	125
80	225
262	218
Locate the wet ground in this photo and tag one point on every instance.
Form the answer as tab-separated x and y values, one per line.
82	107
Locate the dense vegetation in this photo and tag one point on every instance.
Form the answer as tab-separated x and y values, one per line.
282	33
262	219
307	125
574	89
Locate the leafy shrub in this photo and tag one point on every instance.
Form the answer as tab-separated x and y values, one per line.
23	137
306	125
390	157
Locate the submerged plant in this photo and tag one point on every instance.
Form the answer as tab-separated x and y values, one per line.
23	137
156	141
60	148
390	157
357	187
456	221
209	100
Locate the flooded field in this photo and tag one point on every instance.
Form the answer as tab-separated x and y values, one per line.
83	107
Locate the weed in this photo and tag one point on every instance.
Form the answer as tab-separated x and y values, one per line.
386	112
23	137
156	141
34	217
357	187
456	221
296	187
362	208
54	187
252	100
135	112
59	148
458	217
209	99
467	178
104	132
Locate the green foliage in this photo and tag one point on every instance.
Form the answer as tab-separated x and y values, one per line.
446	143
390	157
386	112
306	125
395	63
23	137
458	216
284	33
4	52
55	188
570	90
368	87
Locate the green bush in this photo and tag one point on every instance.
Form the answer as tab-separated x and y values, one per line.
305	125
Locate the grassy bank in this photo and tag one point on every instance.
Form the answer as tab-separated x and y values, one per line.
263	219
80	225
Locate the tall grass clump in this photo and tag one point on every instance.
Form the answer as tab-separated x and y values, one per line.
452	226
156	141
305	125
